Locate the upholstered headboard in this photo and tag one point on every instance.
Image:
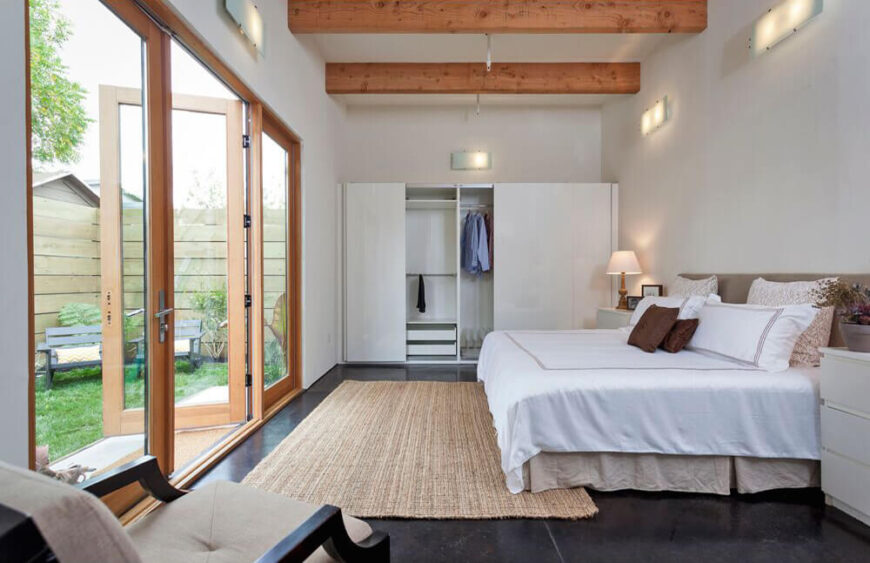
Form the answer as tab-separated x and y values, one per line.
734	288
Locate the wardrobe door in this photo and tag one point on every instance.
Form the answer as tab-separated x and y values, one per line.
552	243
375	272
591	223
533	269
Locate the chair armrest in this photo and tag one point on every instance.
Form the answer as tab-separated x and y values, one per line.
43	347
326	527
144	470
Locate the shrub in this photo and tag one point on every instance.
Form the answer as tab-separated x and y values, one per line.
75	314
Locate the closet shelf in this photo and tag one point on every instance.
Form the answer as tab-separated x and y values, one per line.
431	322
430	203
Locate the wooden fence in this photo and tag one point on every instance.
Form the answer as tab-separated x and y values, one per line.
66	243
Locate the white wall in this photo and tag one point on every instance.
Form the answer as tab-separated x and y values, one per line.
13	233
764	166
528	144
290	79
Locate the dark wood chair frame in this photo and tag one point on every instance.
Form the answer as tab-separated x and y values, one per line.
20	540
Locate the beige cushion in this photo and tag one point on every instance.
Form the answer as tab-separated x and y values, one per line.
686	287
778	294
182	346
78	354
76	525
225	523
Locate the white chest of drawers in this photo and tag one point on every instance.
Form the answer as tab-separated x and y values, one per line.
845	417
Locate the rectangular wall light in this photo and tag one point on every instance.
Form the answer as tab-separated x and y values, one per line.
245	13
780	22
462	160
655	117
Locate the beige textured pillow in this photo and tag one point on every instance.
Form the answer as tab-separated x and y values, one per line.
777	294
686	287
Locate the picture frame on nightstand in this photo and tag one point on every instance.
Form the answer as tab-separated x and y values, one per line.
633	300
649	290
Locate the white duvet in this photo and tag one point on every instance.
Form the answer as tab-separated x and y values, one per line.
588	391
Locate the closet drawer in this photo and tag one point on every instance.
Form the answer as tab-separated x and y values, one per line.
441	334
432	349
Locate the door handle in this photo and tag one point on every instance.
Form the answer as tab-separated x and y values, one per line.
163	315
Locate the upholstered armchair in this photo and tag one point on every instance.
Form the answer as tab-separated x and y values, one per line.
42	519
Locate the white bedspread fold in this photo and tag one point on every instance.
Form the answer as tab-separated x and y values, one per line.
588	391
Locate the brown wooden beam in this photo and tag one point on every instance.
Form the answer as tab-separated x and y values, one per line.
472	78
497	16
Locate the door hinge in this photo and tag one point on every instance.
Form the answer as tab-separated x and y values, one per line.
249	380
248	300
247	221
246	141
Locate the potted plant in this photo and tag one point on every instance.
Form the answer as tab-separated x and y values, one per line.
852	305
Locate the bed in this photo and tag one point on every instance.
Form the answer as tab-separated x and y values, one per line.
582	408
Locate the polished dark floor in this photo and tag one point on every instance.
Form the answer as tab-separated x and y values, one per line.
630	526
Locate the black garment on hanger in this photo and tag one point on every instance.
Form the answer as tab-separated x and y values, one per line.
421	295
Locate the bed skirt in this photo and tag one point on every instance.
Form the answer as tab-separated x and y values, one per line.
658	472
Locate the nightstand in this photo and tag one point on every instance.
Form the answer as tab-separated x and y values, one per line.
608	317
845	414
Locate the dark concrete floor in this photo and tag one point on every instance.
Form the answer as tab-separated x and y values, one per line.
630	526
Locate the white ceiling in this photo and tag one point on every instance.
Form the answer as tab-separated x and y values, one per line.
440	48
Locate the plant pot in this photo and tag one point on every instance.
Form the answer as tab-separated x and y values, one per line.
857	337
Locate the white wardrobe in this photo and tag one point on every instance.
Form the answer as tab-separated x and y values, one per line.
551	244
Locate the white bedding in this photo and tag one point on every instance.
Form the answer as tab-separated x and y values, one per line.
588	391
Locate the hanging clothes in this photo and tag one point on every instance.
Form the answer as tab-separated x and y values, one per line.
421	294
475	245
487	220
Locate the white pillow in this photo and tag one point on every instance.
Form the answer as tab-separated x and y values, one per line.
776	294
759	336
685	286
689	306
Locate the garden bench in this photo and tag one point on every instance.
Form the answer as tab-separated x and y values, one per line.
74	347
71	347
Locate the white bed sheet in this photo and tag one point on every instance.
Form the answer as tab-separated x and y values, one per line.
588	391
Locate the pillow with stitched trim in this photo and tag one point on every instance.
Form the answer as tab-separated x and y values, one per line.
753	335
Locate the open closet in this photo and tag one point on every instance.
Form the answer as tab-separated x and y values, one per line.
431	269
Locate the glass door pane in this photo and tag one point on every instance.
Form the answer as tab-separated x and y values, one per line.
275	235
89	202
209	238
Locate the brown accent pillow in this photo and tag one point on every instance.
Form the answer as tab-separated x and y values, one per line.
680	335
653	327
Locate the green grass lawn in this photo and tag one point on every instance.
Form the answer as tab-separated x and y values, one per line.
69	416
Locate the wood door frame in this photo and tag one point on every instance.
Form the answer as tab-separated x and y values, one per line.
278	133
117	419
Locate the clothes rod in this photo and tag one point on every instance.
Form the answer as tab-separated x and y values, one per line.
476	206
432	275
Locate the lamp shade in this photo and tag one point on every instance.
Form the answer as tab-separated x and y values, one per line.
623	262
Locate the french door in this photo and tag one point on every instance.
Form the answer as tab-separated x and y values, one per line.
166	257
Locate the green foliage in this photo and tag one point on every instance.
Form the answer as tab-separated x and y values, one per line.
212	307
58	118
75	314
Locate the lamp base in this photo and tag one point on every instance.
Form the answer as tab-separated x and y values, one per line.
623	302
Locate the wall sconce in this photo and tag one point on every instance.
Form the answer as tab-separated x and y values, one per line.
462	160
246	14
656	116
780	22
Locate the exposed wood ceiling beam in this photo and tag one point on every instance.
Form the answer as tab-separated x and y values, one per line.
497	16
472	78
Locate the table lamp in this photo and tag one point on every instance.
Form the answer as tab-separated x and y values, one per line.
623	262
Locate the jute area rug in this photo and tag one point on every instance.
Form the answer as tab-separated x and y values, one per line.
411	449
